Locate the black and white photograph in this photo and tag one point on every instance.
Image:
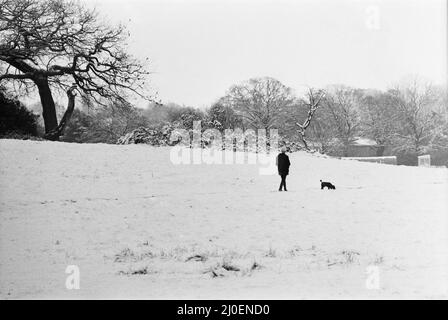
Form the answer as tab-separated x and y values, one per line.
223	150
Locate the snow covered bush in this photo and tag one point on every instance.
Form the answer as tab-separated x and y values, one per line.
154	137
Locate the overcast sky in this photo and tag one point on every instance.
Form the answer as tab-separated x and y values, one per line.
199	48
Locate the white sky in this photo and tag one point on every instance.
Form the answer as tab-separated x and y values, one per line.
199	48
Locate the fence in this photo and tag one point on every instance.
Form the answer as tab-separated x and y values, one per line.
385	160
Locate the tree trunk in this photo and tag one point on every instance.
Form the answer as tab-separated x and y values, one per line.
346	148
303	137
59	130
417	147
48	106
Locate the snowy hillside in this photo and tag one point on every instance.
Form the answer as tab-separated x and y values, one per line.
140	227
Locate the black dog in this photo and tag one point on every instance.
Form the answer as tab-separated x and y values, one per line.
329	185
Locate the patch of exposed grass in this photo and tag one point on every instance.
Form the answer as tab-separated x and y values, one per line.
271	253
350	256
138	271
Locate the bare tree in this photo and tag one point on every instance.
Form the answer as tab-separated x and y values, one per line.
342	104
57	45
312	103
108	123
321	132
378	118
416	103
261	102
221	116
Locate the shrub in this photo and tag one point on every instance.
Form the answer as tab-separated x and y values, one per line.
16	120
79	128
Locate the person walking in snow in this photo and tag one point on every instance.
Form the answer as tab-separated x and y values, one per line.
283	167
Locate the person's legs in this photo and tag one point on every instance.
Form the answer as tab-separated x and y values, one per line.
282	183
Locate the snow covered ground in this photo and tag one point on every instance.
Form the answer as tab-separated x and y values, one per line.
138	226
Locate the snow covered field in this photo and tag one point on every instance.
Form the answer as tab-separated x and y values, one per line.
138	226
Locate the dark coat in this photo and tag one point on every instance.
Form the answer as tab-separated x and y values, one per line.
283	164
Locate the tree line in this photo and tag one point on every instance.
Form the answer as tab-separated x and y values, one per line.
409	117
